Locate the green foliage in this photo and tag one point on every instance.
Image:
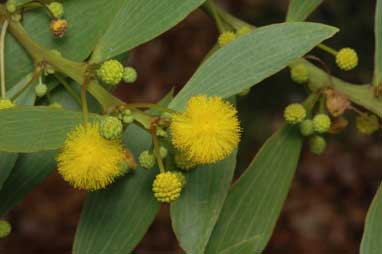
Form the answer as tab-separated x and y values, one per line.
372	237
32	129
299	10
255	201
378	44
195	214
250	59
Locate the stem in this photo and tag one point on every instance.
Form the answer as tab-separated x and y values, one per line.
327	49
311	101
68	88
2	62
212	9
150	105
36	74
84	102
157	149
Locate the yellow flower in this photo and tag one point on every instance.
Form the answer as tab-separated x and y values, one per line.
88	161
225	38
208	131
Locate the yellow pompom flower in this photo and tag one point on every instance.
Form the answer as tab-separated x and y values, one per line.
347	59
5	103
208	131
367	124
88	161
225	38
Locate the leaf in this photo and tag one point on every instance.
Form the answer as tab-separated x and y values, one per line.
115	219
252	58
299	10
378	44
138	21
32	129
372	236
28	97
255	201
29	171
7	161
195	214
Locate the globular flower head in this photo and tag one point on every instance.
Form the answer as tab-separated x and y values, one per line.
11	6
306	127
163	152
40	90
321	123
294	113
208	131
317	145
181	178
299	73
183	162
244	30
111	127
5	228
5	103
88	161
225	38
126	116
130	75
59	27
57	9
167	187
110	72
347	59
146	159
367	124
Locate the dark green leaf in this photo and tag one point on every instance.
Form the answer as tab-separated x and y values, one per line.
299	10
115	219
252	58
255	201
33	129
194	215
372	236
138	21
7	161
378	44
29	171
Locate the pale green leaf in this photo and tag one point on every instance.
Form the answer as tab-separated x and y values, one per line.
299	10
115	219
378	44
138	21
33	129
29	171
255	201
194	215
250	59
372	236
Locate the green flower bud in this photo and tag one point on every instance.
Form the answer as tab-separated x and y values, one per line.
162	133
110	72
306	127
347	59
163	152
146	159
130	75
111	128
5	228
126	116
321	123
11	6
299	74
294	113
40	90
57	9
317	145
182	161
55	105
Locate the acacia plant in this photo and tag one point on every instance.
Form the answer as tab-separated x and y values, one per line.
59	65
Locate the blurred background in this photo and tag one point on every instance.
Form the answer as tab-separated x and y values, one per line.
330	195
